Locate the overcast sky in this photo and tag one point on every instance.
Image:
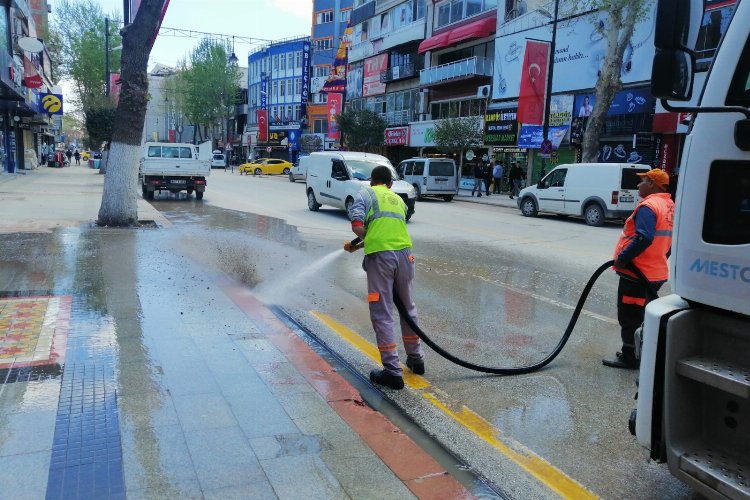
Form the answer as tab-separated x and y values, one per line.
267	19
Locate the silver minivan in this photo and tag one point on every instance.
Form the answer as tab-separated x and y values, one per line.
430	176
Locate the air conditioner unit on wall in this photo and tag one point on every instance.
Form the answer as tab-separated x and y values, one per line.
484	91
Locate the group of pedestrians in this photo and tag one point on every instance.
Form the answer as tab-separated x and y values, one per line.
486	177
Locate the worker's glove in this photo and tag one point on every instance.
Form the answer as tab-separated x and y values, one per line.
353	246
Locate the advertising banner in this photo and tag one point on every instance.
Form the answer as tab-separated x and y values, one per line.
334	108
336	81
580	48
51	104
264	93
371	80
354	82
501	127
422	134
561	111
626	102
305	78
262	115
397	136
531	97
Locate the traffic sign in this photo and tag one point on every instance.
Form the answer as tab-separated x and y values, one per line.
546	149
268	149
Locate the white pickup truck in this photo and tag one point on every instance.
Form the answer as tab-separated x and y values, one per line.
173	167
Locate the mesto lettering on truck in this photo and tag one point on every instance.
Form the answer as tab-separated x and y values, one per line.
723	270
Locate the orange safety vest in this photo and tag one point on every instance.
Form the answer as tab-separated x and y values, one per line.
653	261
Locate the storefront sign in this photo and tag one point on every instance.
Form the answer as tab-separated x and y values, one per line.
397	136
422	134
373	66
354	82
530	136
305	78
501	127
276	137
579	53
668	153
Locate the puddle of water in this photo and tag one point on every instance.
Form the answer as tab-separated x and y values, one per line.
276	291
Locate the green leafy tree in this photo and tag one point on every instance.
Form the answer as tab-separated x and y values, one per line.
454	135
210	87
119	197
622	16
361	130
76	45
100	122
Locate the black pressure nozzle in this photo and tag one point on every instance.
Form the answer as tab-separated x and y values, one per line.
354	245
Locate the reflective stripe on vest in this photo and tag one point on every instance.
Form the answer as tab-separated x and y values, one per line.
653	261
386	229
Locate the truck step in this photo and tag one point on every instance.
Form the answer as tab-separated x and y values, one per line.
729	377
718	470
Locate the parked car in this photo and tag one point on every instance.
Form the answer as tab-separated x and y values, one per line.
218	160
298	172
266	166
594	191
333	178
430	176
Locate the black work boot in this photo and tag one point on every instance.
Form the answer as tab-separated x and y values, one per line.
621	360
382	377
415	365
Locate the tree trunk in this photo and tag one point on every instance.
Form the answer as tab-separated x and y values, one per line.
119	198
622	23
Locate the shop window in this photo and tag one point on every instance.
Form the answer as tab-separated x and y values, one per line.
320	126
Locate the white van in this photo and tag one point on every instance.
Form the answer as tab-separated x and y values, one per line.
298	172
430	176
594	191
333	178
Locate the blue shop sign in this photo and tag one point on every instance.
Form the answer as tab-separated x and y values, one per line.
530	136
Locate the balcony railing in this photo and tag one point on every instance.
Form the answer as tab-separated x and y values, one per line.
393	118
398	73
473	66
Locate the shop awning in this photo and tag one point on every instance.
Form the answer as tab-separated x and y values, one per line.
477	29
434	42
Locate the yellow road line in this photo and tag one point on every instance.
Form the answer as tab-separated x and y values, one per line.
536	466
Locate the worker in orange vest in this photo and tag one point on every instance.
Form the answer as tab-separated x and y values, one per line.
645	242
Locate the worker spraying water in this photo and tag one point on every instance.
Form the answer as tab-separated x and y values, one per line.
378	218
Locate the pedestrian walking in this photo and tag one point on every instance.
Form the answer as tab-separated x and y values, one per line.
497	176
487	179
478	179
77	156
378	217
645	242
515	176
69	155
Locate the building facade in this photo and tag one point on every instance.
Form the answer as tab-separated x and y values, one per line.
330	20
277	93
27	128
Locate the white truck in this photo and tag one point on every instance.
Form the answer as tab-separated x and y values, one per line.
693	408
173	167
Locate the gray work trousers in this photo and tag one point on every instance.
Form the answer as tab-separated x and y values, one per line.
387	271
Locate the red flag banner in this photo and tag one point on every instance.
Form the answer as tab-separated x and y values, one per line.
334	108
531	97
262	125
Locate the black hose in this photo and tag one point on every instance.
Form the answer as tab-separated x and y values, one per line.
521	369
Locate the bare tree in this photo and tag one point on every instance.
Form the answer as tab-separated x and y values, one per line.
119	198
622	17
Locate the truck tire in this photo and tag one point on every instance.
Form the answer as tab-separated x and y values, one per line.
448	197
593	214
312	203
199	195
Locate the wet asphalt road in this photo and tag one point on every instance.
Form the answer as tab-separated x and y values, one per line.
492	287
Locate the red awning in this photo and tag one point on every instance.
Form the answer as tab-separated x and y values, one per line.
434	42
478	29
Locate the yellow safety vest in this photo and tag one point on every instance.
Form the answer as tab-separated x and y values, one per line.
385	222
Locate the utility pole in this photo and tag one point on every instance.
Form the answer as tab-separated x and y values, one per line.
106	57
550	74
